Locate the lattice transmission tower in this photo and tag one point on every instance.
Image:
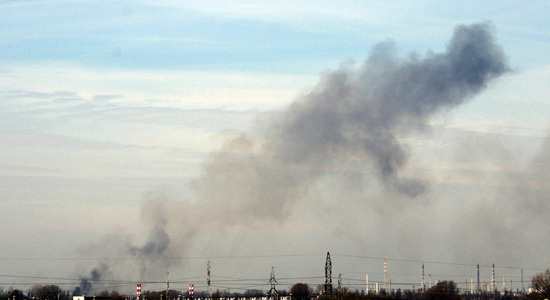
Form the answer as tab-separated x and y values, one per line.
273	293
328	276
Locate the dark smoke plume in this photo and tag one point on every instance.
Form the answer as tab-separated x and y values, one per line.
352	124
86	286
362	112
148	262
354	116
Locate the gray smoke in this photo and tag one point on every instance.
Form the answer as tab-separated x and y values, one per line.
353	116
351	127
86	286
364	112
144	263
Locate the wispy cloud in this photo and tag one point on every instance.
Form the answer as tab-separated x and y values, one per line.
21	94
105	98
58	141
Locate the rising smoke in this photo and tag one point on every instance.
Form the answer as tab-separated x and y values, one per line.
354	115
349	129
86	287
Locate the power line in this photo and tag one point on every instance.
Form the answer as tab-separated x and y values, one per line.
433	262
151	258
237	283
254	256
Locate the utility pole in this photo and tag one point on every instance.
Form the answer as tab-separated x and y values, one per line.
340	292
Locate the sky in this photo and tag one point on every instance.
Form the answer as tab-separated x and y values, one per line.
145	137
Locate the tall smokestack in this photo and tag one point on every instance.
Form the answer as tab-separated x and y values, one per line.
478	284
386	273
522	288
493	283
422	284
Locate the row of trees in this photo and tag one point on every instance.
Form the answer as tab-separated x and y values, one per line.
46	292
445	290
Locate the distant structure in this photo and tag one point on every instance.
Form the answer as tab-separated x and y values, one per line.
208	279
493	284
138	291
422	283
167	286
385	273
328	276
340	285
273	293
478	288
522	288
367	287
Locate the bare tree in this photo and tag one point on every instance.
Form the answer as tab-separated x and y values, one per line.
50	292
541	285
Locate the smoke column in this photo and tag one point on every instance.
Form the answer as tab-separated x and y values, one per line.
352	122
353	116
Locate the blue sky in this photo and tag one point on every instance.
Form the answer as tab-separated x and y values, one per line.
108	106
242	36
